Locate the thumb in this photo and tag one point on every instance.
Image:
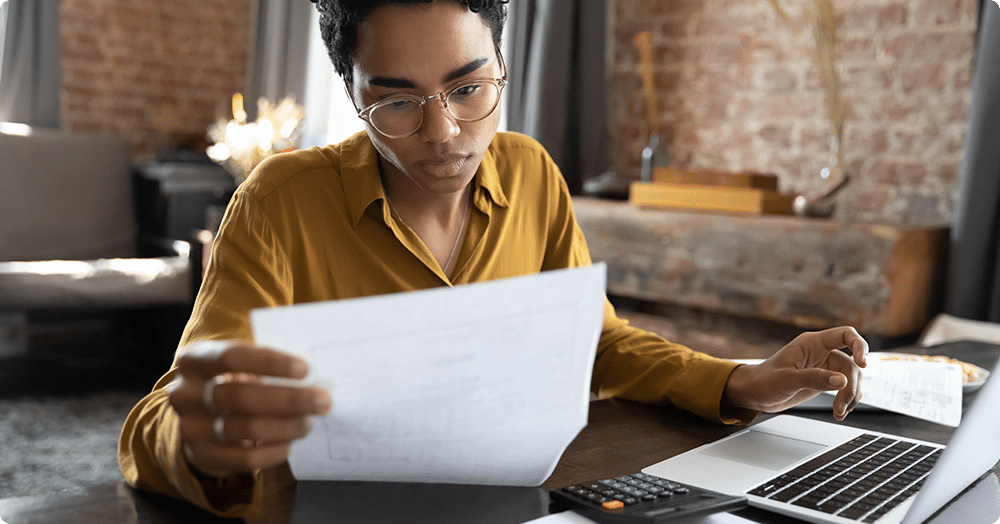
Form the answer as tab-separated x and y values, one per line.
816	379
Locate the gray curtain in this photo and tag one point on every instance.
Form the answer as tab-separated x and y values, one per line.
974	261
556	90
276	65
30	74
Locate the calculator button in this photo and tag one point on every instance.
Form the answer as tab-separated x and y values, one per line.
613	504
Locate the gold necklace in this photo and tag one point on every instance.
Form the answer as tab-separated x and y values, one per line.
461	230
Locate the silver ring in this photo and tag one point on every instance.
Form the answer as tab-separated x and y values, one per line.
219	428
208	394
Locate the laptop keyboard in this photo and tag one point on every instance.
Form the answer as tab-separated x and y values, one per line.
860	480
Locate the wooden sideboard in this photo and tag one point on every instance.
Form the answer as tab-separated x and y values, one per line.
812	273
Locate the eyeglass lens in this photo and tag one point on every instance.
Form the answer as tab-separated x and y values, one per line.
467	102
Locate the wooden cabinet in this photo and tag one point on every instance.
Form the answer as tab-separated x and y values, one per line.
885	280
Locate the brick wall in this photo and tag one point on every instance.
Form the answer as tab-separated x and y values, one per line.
151	70
738	90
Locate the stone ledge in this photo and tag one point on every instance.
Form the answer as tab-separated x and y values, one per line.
885	280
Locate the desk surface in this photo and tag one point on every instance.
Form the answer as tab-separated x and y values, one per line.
621	437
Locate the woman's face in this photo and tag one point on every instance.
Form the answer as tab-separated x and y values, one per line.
424	49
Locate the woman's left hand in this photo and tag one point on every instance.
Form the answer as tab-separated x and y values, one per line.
810	364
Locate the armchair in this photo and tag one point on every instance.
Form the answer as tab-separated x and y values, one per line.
77	283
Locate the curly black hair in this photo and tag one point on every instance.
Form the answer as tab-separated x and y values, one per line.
339	20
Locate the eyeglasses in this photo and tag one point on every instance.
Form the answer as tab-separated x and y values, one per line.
401	116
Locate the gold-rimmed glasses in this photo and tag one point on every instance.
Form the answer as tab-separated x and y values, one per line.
401	116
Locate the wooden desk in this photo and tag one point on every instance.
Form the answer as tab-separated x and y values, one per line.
621	437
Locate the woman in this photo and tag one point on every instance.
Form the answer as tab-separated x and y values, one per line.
429	195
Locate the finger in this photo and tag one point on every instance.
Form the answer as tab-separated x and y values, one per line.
250	398
858	346
847	398
208	358
816	379
236	430
248	395
222	460
843	403
859	350
845	337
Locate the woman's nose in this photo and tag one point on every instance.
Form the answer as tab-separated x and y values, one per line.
439	126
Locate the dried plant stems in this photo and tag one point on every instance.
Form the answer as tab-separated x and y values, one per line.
781	12
825	21
826	25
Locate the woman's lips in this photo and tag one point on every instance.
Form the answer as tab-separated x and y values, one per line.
450	165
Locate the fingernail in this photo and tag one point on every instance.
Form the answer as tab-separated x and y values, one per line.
321	402
298	368
838	381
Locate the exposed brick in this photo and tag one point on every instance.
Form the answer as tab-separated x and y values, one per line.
721	52
865	79
861	18
903	141
940	12
794	105
779	80
905	72
897	173
893	16
858	48
869	140
814	137
948	173
961	79
743	75
776	136
931	47
896	108
121	58
924	76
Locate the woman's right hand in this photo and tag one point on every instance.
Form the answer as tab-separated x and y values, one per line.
234	416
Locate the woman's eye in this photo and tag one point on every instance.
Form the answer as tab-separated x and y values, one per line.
399	105
466	90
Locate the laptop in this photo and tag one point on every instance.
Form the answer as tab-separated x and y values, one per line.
824	472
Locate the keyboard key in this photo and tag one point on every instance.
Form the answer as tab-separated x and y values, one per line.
852	513
789	493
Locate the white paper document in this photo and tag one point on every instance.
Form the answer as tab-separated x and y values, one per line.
925	390
483	383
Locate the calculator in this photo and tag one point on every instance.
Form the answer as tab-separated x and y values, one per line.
642	498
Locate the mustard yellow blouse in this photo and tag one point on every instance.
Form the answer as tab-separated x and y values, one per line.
315	225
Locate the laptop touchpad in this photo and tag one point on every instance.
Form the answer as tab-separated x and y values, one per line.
764	450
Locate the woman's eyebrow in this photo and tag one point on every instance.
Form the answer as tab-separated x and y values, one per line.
466	69
404	83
